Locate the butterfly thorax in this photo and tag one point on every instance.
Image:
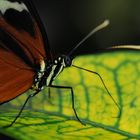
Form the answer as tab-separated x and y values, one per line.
50	70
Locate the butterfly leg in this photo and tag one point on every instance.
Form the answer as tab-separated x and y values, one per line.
72	97
18	115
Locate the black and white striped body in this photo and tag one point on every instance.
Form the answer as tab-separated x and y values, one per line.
49	71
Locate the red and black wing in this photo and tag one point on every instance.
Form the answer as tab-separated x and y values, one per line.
23	44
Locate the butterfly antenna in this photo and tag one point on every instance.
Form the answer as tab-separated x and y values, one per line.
103	85
129	47
101	26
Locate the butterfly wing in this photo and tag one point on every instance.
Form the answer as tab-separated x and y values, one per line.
22	47
13	81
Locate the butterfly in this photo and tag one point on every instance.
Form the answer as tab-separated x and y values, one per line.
26	60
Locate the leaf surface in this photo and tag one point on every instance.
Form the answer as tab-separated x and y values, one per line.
53	117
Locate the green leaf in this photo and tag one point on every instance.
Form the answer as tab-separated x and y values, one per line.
53	118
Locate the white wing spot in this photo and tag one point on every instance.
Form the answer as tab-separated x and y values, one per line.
5	5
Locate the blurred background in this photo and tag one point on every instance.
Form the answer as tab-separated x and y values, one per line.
68	21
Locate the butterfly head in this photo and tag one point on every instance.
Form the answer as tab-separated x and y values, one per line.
63	61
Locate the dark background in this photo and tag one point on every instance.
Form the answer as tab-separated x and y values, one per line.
68	21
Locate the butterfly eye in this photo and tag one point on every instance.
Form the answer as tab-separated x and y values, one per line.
67	61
